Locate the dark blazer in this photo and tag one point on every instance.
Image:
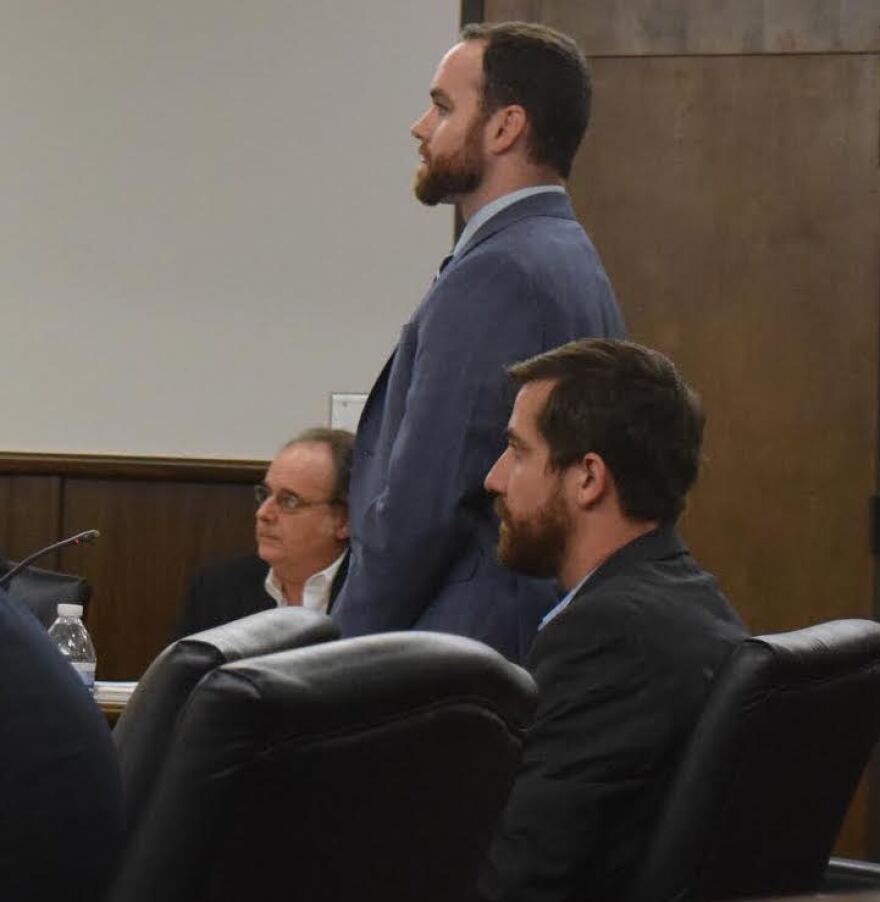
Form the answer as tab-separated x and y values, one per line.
423	529
622	676
60	790
230	589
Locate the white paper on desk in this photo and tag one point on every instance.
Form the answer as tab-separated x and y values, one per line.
114	691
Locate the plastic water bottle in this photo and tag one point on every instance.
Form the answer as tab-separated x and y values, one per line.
72	639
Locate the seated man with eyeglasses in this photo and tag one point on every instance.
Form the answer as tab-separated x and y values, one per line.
302	538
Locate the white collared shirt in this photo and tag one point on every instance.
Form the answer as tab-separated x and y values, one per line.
494	207
316	591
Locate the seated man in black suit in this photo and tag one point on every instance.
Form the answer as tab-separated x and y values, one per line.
302	538
603	446
60	789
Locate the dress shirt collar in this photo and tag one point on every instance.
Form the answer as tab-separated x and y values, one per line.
494	207
316	591
564	603
660	543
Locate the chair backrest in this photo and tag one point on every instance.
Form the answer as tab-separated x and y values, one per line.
43	590
370	768
147	725
766	777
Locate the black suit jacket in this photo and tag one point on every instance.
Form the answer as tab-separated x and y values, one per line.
231	589
622	674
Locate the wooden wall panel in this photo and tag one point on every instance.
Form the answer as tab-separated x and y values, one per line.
30	513
159	520
744	244
153	536
696	27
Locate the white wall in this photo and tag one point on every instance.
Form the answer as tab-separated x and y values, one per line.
206	222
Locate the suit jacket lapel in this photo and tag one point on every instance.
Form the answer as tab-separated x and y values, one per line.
338	580
378	385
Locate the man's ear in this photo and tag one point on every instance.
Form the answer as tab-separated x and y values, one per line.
505	127
592	480
341	532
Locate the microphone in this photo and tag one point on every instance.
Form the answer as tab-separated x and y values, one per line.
81	538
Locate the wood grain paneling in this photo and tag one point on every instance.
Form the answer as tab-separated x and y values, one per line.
470	11
735	203
30	514
696	27
159	520
153	536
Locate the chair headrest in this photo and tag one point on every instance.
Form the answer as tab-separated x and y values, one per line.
394	673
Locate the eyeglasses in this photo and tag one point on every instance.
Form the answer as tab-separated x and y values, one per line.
286	502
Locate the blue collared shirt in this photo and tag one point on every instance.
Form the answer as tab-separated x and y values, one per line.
494	207
566	601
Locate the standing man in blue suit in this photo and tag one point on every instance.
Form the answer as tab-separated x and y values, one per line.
509	107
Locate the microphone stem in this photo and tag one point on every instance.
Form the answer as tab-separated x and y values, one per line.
87	536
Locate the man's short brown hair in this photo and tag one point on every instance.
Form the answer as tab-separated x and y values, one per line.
544	72
629	405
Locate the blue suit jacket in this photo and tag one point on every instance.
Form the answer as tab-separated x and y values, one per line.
423	529
61	809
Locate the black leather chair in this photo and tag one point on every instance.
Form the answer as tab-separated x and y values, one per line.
147	726
43	590
766	778
370	769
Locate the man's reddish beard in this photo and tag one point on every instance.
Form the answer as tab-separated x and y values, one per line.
442	178
534	547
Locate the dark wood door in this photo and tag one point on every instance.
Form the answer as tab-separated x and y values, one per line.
734	199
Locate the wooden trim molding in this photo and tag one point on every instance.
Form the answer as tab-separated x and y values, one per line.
154	469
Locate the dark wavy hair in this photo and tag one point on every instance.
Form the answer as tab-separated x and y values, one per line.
629	405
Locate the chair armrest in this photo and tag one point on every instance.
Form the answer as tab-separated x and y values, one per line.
847	874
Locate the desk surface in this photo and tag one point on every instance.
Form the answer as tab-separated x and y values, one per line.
112	697
862	896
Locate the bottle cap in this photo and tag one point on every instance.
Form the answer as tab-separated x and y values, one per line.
70	610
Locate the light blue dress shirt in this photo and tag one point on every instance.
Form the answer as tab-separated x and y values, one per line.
566	601
486	212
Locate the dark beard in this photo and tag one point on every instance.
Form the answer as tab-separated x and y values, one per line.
534	547
443	178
